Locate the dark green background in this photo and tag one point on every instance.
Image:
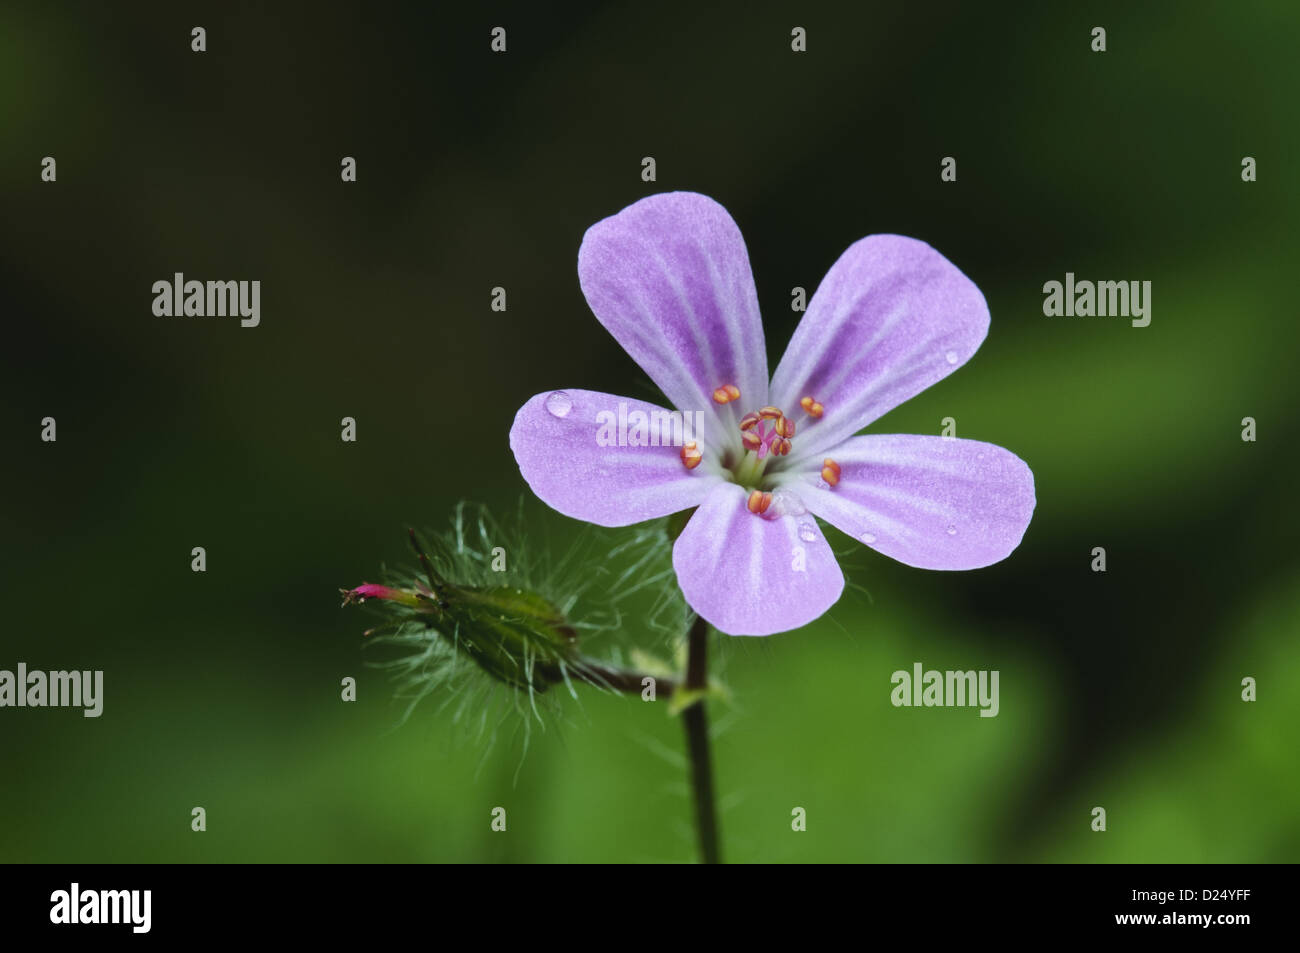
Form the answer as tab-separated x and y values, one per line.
1119	689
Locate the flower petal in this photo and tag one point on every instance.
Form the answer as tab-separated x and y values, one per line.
557	441
747	575
929	502
669	277
891	317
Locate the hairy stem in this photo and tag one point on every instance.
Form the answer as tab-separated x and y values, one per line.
604	676
696	722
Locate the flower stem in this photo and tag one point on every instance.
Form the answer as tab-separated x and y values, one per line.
604	676
695	721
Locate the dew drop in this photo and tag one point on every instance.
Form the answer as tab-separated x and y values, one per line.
559	404
807	531
951	357
788	504
868	538
952	530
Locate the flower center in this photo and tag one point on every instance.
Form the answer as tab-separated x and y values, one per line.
766	436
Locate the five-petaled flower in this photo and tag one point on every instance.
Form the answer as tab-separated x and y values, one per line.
669	278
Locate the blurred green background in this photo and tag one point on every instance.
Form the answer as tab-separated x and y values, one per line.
475	170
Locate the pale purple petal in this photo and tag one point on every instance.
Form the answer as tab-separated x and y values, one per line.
747	575
561	457
669	277
891	317
929	502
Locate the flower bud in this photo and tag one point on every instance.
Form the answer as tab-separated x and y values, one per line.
516	636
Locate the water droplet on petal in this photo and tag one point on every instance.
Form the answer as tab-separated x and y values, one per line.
951	357
868	538
807	531
787	504
952	530
559	404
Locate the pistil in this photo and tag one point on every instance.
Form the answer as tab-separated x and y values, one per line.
749	471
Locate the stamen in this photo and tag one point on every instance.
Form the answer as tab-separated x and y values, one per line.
726	394
759	502
756	436
691	455
811	407
830	471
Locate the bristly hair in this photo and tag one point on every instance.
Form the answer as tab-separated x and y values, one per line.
615	590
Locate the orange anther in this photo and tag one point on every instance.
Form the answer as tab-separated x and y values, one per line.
785	426
733	392
691	455
759	501
771	413
749	422
830	471
811	407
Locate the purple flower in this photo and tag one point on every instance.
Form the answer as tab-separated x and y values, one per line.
669	277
